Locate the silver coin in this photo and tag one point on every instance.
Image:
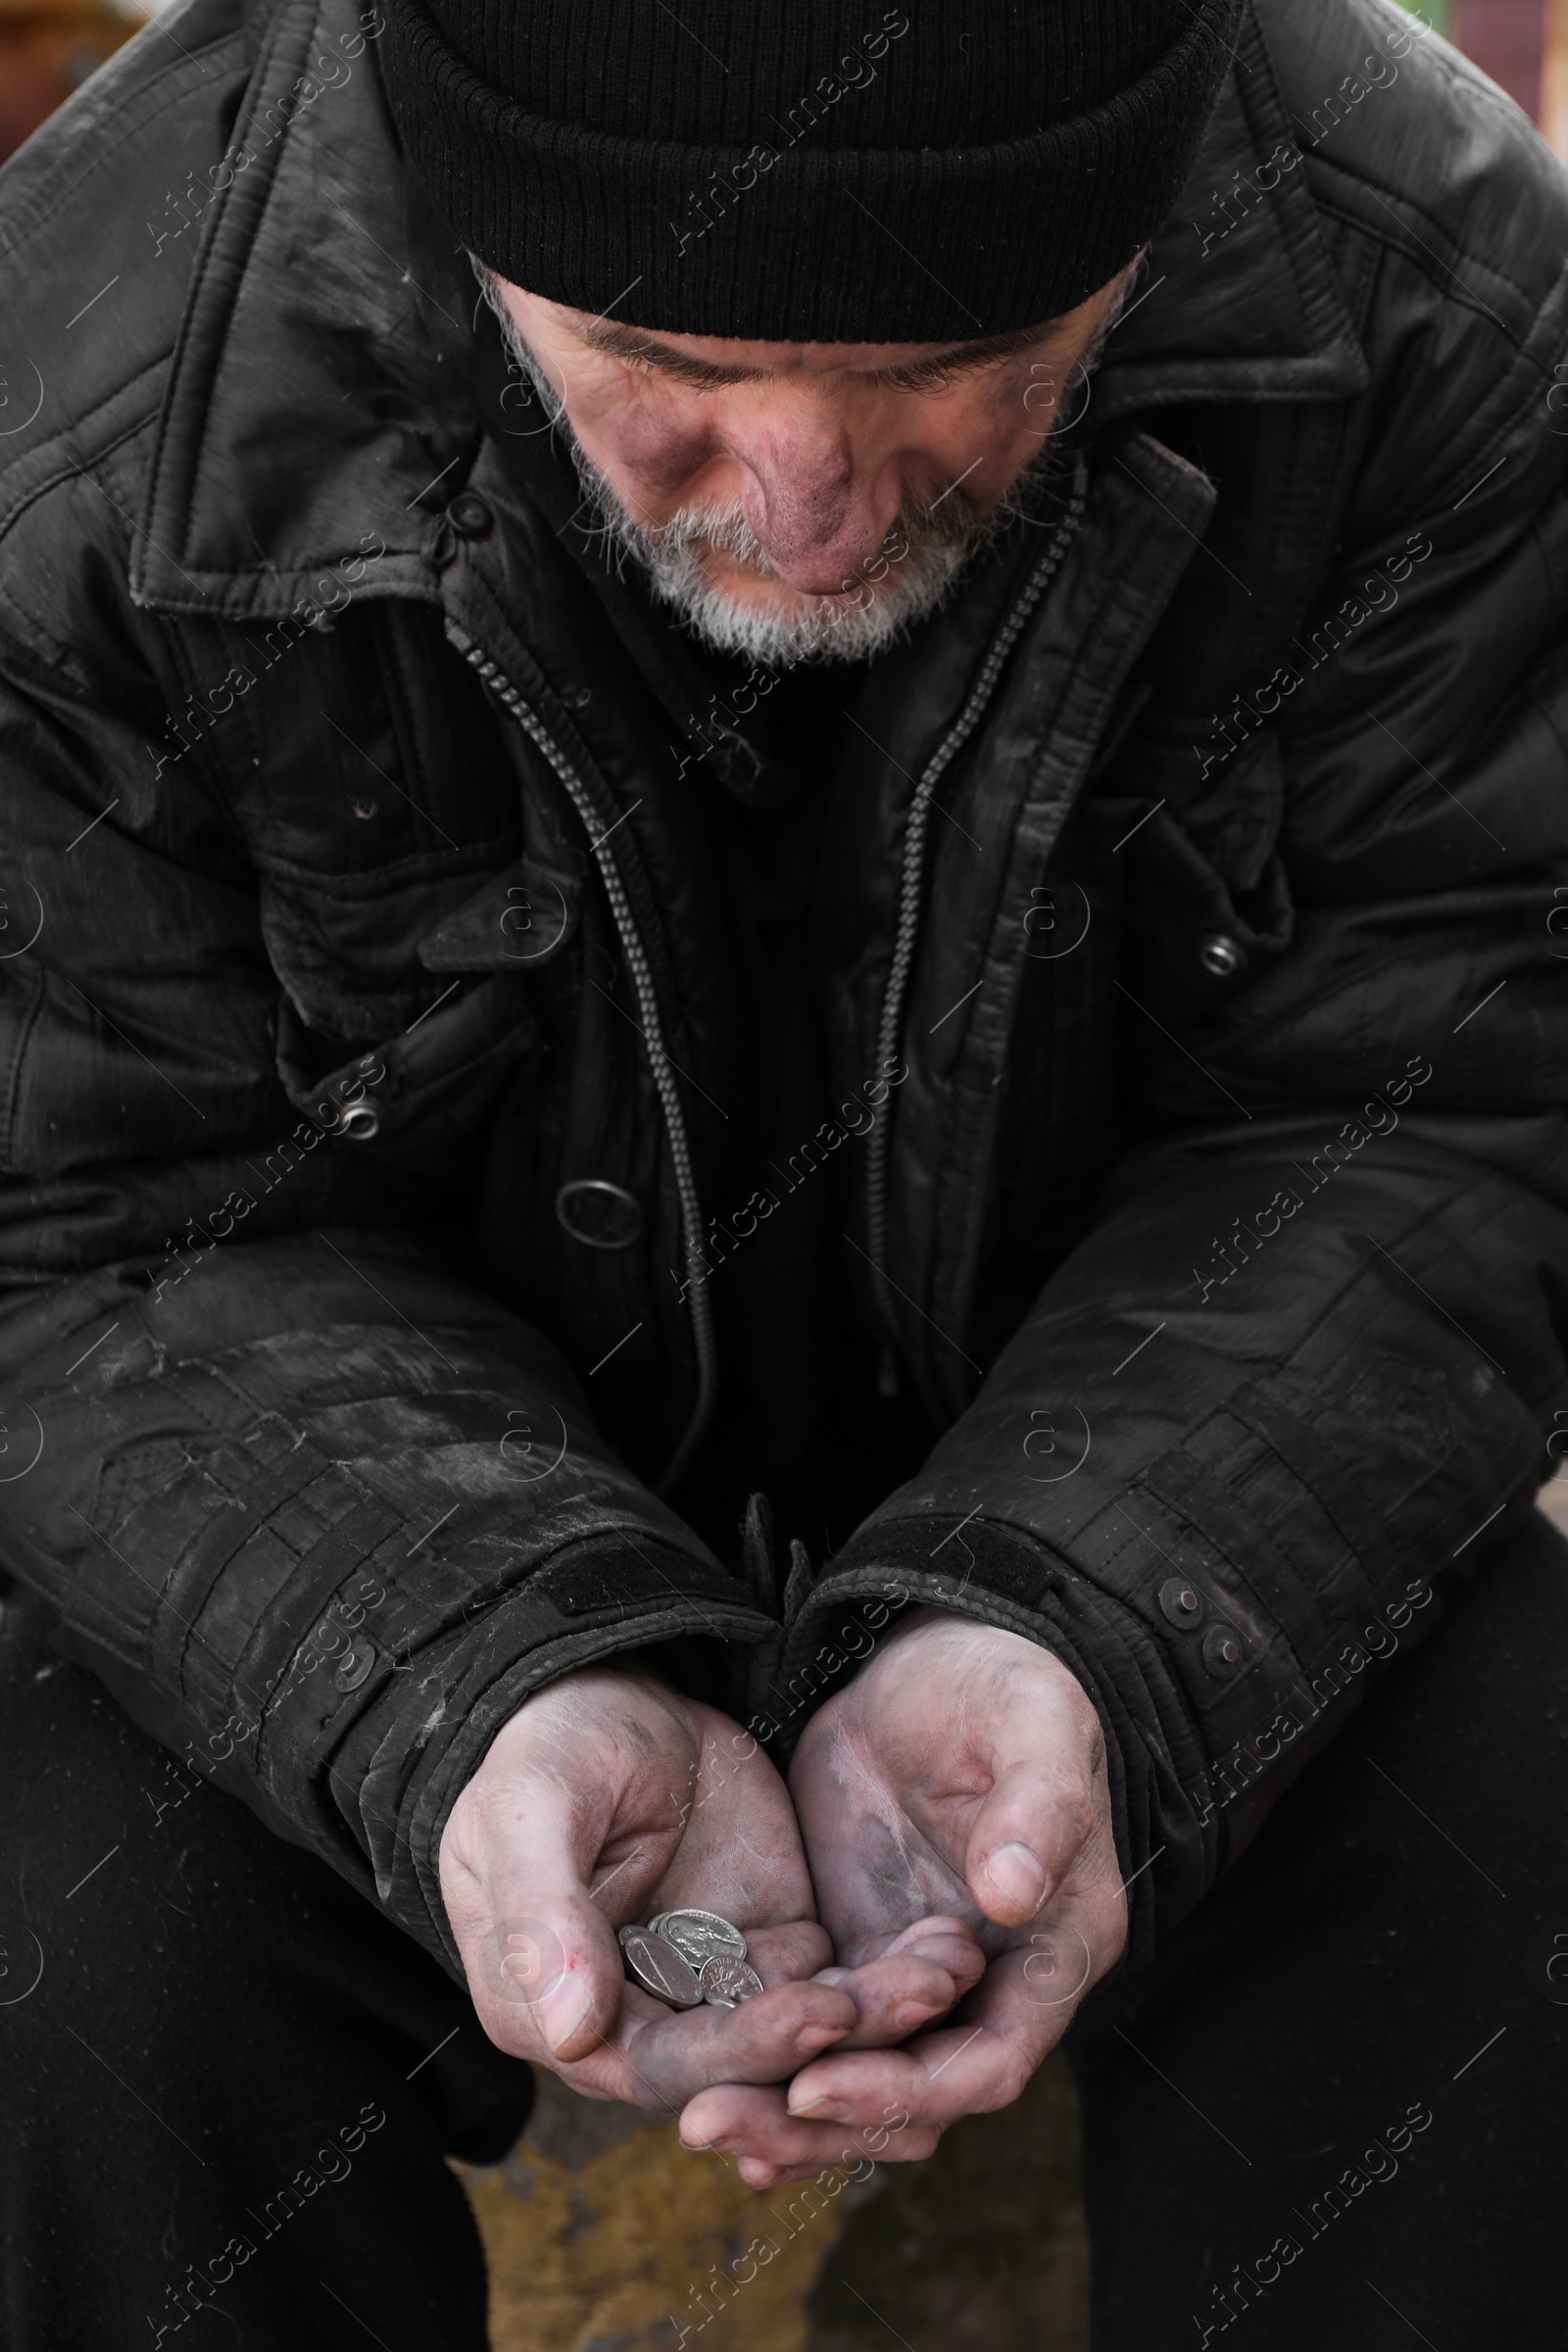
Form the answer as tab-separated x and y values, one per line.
660	1970
724	1982
701	1936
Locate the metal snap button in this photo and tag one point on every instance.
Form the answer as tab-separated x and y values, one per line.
355	1665
469	515
362	1122
1222	1651
604	1215
1182	1602
1221	954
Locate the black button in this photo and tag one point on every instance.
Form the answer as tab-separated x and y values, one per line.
1222	1651
469	515
604	1215
1182	1602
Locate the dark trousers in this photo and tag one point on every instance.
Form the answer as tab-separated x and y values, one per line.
1331	2113
225	2099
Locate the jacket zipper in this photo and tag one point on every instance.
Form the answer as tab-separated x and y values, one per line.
915	841
517	706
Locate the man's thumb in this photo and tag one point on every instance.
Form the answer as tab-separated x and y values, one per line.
543	1962
555	1966
1024	1839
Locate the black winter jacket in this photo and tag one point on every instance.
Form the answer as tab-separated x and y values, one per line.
364	1020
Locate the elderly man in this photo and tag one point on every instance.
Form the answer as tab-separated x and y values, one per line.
786	847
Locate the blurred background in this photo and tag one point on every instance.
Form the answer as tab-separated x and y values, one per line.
601	2234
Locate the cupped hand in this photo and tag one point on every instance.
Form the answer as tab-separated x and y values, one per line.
960	1775
607	1798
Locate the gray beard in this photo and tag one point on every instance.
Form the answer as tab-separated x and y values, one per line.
927	550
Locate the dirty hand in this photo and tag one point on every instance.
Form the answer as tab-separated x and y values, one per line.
610	1797
962	1772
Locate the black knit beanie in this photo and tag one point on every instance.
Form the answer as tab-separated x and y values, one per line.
806	169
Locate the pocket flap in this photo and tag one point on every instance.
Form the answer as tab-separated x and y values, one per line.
520	918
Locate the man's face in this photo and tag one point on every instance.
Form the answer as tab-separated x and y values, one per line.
798	501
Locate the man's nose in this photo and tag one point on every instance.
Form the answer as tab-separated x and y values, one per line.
821	519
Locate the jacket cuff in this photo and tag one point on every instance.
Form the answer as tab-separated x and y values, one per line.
1004	1577
593	1601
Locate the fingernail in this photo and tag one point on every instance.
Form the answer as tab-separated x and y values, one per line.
911	2013
805	2106
1019	1877
830	1976
562	2011
811	2038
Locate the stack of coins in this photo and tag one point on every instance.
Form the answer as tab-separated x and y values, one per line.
690	1957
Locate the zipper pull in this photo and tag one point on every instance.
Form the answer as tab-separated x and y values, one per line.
887	1372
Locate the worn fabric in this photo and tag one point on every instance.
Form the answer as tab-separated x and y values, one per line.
701	173
1368	2015
1189	933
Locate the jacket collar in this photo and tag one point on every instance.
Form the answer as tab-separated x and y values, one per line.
1238	299
320	388
321	396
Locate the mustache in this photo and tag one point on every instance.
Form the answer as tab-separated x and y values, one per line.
947	520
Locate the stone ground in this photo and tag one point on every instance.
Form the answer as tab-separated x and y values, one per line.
604	2234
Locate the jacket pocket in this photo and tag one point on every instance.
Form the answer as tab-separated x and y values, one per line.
345	948
1196	934
518	920
418	1093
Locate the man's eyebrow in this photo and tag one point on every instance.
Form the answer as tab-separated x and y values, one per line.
624	342
630	343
